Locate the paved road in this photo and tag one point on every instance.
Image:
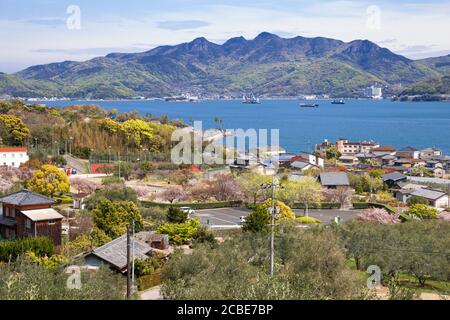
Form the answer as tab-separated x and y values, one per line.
230	217
78	164
151	294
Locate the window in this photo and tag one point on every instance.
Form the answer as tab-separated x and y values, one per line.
27	224
51	222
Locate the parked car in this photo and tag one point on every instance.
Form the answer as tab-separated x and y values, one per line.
188	210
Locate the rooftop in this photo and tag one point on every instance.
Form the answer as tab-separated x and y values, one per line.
42	214
428	193
26	197
385	148
13	149
394	176
334	179
115	252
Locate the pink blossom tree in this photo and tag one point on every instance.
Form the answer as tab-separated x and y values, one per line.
173	194
378	215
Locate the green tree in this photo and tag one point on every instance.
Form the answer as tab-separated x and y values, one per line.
306	191
180	233
12	130
310	264
416	200
114	217
252	185
49	181
176	215
260	219
138	132
25	280
332	153
422	211
257	221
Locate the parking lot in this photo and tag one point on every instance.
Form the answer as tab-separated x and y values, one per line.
230	217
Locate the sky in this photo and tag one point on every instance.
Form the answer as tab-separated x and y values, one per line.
43	31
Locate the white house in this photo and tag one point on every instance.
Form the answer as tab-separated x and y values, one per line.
13	156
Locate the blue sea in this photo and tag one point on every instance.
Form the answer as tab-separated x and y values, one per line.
400	124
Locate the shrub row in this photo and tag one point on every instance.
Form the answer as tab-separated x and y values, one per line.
365	205
150	281
195	206
323	205
11	249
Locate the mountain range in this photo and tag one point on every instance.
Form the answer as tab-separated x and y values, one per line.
267	65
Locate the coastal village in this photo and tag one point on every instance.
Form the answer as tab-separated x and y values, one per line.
80	206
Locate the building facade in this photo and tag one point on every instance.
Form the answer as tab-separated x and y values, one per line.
13	157
25	214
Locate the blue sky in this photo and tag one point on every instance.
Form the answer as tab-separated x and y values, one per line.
35	31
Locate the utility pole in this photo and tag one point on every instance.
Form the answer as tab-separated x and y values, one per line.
119	164
128	263
272	225
273	213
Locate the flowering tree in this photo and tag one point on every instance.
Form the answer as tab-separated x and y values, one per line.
224	188
378	215
341	195
85	185
173	194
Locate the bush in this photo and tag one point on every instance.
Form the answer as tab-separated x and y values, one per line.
422	211
323	205
176	215
150	281
203	235
416	200
307	220
180	233
155	214
11	249
367	205
195	206
63	199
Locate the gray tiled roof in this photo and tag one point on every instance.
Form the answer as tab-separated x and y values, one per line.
299	164
428	194
394	176
26	197
334	179
115	252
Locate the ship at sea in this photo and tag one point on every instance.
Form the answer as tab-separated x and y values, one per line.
309	105
250	99
182	98
340	101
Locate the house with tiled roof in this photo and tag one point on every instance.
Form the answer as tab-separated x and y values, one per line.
26	214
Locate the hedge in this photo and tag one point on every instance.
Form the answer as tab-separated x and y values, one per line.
323	205
366	205
150	281
11	249
195	206
307	220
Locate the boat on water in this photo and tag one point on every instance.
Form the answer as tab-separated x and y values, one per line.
309	105
250	99
340	101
